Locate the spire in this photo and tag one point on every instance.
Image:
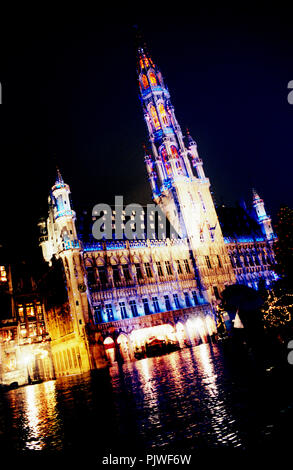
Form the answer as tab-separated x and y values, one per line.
190	140
143	57
255	196
59	179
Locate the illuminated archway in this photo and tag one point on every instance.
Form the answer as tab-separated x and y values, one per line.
110	349
124	346
181	334
145	337
196	329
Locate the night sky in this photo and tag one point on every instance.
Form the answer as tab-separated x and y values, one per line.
70	96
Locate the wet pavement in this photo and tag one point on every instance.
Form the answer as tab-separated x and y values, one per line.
187	401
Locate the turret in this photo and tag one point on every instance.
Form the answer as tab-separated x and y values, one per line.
150	165
196	161
259	213
59	239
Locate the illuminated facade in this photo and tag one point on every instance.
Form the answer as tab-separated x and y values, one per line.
148	293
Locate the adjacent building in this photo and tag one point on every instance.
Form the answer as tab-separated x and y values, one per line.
25	352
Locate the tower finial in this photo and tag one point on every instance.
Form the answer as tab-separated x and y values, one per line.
59	178
255	195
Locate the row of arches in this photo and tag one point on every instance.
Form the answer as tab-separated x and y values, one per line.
122	271
249	257
159	339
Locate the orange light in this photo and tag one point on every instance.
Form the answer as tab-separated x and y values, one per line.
153	79
155	117
3	275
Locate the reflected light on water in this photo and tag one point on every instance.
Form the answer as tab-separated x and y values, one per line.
222	422
39	414
32	419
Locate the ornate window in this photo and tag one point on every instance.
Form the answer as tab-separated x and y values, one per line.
144	80
166	162
148	270
153	79
98	313
133	307
156	304
179	269
146	306
109	312
123	310
159	268
176	300
208	262
187	299
175	155
195	298
167	303
187	267
155	117
163	114
168	268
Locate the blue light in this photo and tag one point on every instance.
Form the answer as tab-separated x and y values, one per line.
63	213
69	244
93	247
243	239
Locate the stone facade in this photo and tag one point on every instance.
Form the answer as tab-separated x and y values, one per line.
131	294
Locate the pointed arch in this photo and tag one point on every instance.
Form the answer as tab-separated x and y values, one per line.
144	81
100	261
153	79
175	155
163	114
155	117
166	162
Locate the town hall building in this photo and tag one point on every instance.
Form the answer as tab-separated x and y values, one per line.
135	296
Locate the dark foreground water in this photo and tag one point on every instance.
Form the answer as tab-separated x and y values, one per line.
193	399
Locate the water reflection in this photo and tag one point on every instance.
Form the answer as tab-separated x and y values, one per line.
185	400
35	416
221	418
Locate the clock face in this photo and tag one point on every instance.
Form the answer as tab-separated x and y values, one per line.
81	287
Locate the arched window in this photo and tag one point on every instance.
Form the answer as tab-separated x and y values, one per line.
144	81
60	205
155	117
166	162
176	157
163	114
153	79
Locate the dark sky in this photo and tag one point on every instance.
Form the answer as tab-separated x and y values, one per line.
69	89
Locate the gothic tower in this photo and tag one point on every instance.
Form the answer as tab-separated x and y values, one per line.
261	216
178	182
60	240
